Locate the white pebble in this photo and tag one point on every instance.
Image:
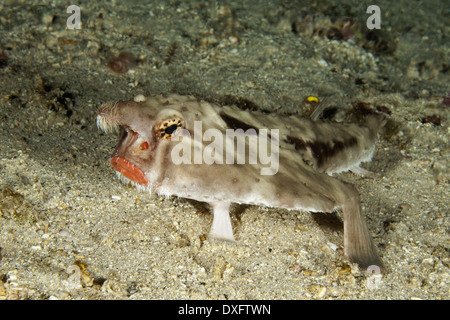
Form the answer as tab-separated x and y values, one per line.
140	98
322	62
332	246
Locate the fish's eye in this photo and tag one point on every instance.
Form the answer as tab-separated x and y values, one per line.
171	129
167	128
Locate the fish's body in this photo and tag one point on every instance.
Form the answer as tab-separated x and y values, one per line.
183	146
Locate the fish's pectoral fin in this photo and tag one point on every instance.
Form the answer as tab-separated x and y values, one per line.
221	228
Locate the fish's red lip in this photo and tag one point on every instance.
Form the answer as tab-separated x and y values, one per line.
128	169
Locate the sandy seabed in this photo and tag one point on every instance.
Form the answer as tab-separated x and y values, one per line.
70	230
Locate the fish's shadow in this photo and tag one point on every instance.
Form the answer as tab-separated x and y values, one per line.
329	223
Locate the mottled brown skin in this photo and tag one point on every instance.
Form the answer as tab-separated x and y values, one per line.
309	151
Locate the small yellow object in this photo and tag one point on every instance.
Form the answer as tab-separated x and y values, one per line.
312	99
